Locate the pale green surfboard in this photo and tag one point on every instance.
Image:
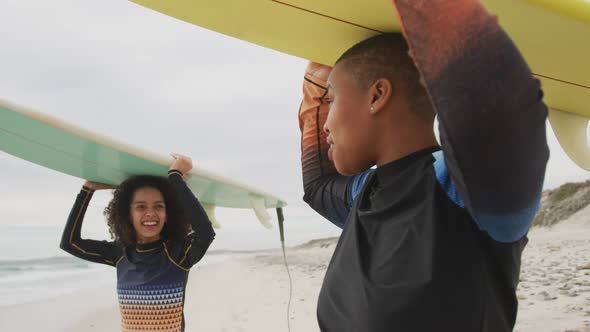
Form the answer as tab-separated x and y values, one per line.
55	144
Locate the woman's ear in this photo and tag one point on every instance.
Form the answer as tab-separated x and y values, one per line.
380	93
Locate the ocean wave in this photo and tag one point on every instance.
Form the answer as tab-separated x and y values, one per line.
8	267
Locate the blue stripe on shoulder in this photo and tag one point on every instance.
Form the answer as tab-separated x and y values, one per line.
443	177
356	185
502	228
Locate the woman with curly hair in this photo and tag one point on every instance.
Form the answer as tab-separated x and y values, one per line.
160	231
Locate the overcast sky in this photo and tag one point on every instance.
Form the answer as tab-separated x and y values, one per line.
164	85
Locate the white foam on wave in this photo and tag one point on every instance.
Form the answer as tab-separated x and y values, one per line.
31	286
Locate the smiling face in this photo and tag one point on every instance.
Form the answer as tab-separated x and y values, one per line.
148	214
350	131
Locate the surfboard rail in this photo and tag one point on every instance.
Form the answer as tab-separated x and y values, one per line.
551	34
51	142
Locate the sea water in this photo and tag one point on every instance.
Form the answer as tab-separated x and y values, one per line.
33	267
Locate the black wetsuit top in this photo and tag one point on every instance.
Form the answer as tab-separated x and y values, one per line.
433	241
151	278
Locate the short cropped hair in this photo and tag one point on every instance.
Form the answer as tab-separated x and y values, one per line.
386	56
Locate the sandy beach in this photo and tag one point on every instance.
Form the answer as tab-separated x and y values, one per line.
250	292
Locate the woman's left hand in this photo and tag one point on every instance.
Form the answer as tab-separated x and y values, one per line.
181	163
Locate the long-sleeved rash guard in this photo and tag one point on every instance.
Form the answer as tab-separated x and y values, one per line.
151	278
433	241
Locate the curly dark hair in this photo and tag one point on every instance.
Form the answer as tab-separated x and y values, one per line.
118	212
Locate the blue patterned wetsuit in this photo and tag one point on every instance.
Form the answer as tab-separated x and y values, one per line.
151	278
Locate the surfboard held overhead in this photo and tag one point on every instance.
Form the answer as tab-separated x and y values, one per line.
55	144
553	36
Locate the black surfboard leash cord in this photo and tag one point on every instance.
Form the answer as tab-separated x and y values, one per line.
281	219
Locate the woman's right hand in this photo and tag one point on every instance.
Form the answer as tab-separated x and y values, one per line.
181	163
98	186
